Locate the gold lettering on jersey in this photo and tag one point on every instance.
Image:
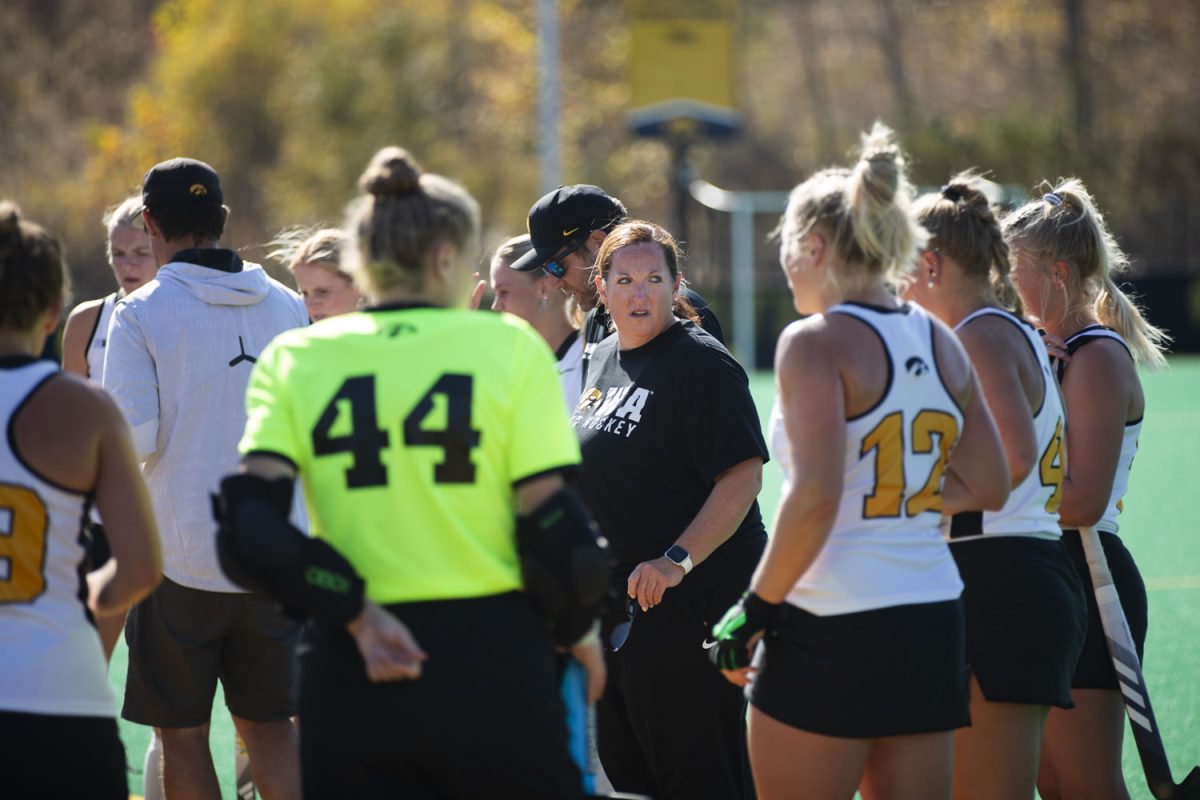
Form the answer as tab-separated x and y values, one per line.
24	523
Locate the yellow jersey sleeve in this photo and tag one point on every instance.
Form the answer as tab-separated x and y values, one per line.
270	418
542	437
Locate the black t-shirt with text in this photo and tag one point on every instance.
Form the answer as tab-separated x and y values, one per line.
657	424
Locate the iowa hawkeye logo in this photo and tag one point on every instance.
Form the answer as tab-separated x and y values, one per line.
620	413
916	366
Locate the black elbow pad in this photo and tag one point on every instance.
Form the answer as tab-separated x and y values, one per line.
565	563
260	550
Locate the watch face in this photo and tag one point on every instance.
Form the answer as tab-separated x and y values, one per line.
676	554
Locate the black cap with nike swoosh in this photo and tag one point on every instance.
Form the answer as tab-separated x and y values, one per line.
566	217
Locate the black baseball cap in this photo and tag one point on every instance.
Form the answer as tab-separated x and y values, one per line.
181	181
564	217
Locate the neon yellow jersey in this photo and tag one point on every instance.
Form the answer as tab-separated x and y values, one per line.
410	428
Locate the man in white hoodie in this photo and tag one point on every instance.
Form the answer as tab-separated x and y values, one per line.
178	360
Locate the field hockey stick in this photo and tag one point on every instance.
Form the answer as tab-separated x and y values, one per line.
245	778
1134	693
579	720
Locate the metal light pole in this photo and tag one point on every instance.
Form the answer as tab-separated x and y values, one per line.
550	169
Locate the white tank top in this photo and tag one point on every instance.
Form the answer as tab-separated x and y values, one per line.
52	660
886	547
1032	506
570	369
99	339
1129	439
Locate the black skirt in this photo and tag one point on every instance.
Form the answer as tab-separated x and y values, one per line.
888	672
1026	618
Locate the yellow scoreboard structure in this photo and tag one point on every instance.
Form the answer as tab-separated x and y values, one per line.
682	67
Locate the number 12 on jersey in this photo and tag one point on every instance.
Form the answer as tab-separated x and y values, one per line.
887	440
366	440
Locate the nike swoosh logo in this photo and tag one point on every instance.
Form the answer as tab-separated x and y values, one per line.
708	644
568	233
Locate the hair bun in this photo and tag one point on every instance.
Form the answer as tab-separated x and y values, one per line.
10	227
881	165
391	173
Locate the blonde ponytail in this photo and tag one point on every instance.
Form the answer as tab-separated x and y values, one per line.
878	198
865	211
1115	309
1065	225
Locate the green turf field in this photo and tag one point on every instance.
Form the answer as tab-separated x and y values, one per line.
1154	526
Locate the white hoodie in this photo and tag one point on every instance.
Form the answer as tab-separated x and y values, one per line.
180	350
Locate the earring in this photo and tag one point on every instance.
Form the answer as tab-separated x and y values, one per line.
931	284
542	303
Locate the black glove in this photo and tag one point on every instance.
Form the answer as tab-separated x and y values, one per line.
748	617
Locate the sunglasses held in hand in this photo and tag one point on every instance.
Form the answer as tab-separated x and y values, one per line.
620	634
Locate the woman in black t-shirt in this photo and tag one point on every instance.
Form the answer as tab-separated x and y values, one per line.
672	464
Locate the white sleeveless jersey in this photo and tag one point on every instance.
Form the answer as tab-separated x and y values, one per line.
99	340
886	547
52	660
1032	506
571	369
1129	439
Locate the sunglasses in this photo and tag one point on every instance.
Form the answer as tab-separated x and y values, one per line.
620	634
555	266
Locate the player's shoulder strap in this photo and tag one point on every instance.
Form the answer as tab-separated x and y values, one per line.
1092	333
1027	330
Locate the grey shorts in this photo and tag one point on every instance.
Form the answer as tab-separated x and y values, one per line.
183	640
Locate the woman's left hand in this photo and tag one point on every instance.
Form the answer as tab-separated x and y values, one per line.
650	580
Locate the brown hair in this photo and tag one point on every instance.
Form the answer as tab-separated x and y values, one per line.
864	210
635	232
33	275
203	223
403	213
963	226
1064	224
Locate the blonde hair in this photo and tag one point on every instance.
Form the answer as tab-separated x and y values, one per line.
1065	225
512	249
963	226
403	213
865	211
127	212
324	246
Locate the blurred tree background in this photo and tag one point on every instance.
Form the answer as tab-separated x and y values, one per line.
288	99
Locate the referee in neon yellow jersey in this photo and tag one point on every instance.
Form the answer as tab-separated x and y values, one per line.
448	560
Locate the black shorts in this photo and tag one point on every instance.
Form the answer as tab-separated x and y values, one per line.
182	640
1026	618
888	672
485	719
52	756
1094	669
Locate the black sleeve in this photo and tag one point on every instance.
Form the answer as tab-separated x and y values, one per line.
721	421
708	320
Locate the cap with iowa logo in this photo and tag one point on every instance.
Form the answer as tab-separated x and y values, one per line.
181	181
564	218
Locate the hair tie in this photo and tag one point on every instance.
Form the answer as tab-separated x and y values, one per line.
1052	199
951	193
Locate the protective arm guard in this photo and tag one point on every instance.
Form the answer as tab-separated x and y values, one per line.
263	552
566	565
